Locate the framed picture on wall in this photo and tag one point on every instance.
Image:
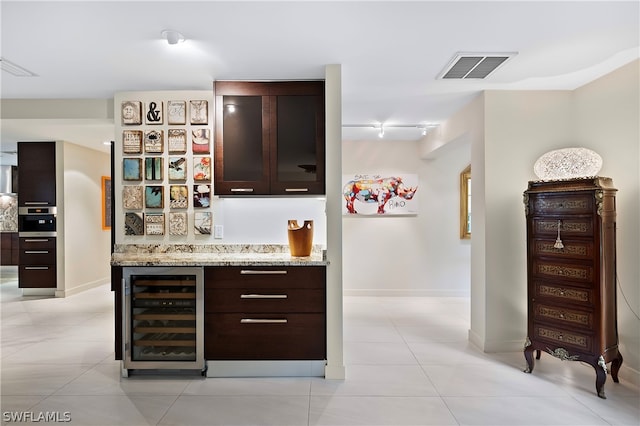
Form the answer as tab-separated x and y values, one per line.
132	169
154	196
132	197
200	141
154	113
201	195
178	223
153	168
133	223
202	169
177	112
202	223
131	112
199	112
177	141
178	197
178	168
380	195
154	223
132	142
153	141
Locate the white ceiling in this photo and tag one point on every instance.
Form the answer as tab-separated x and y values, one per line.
390	52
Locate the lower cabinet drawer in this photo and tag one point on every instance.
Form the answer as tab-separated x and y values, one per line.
239	336
297	300
37	276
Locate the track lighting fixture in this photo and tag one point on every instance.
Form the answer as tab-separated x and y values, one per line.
172	36
423	128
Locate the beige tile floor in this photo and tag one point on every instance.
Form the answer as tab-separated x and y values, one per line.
408	363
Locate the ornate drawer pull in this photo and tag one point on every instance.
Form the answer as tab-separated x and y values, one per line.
261	272
263	296
262	321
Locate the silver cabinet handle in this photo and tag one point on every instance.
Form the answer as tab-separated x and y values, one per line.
262	321
36	203
241	189
296	189
42	240
261	272
36	251
38	268
263	296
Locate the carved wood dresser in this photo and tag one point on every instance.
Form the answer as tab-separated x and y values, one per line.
571	273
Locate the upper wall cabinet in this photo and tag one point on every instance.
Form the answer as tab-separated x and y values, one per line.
37	174
270	138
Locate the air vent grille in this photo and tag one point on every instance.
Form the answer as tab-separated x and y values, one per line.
470	65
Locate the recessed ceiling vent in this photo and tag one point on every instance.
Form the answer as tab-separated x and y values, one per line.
473	65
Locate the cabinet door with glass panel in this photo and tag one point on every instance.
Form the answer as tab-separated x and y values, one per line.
269	138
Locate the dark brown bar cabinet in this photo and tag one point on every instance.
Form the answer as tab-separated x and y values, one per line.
571	273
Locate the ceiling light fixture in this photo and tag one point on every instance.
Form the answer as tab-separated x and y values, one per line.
15	69
172	36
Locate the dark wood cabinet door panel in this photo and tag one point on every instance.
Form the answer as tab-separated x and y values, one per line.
37	173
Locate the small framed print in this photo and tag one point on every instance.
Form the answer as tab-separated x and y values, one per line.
200	141
178	197
132	141
131	112
154	223
199	111
178	223
131	169
133	223
202	223
201	195
154	113
153	141
177	141
202	169
132	197
177	168
154	196
153	168
177	112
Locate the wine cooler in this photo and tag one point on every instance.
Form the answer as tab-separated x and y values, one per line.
163	318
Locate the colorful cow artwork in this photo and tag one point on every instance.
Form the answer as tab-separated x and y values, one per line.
376	190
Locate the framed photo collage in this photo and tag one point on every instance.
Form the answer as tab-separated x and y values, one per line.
166	167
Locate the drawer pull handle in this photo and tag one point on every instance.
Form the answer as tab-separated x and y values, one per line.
42	240
263	296
36	203
296	189
36	251
241	189
261	272
36	268
262	321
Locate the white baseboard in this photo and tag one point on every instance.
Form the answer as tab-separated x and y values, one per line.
405	293
82	287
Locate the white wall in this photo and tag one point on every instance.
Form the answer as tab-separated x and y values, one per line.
86	246
607	116
408	255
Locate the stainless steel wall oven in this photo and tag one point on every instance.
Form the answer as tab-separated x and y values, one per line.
163	318
37	221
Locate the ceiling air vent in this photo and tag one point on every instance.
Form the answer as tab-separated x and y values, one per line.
473	65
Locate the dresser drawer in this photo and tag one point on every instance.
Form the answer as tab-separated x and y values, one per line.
569	227
264	300
572	249
550	269
560	337
561	294
265	337
566	317
268	277
562	204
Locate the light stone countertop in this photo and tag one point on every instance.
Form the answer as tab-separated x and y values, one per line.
219	256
